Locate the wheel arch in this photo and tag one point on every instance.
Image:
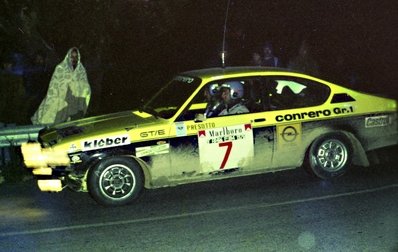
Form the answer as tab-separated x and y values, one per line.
359	156
94	160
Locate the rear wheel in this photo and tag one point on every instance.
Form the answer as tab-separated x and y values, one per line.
330	156
115	181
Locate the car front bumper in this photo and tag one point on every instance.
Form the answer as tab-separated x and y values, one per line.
42	161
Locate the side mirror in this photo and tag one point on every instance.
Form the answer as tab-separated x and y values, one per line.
200	118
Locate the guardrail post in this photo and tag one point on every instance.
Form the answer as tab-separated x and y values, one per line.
11	137
5	156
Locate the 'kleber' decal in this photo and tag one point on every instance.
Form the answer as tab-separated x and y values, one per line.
105	142
377	121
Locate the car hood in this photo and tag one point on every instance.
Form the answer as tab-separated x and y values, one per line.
92	126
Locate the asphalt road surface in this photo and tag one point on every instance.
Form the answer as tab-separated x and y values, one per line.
284	211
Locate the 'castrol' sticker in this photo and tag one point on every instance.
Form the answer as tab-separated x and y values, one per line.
377	121
105	142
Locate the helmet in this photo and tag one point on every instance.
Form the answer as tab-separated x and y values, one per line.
236	89
213	89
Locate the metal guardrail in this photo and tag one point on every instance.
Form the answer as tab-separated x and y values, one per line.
12	135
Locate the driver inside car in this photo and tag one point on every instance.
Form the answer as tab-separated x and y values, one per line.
212	97
225	99
231	94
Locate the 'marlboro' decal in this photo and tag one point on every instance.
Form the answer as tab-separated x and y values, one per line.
226	147
105	142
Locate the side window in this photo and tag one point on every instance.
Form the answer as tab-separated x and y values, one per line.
200	103
290	93
238	96
228	97
255	93
197	106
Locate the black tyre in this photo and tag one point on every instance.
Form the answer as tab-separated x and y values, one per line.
115	181
330	156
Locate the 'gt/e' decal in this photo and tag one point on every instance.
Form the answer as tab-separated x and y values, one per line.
226	147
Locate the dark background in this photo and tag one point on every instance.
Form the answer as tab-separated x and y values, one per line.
131	48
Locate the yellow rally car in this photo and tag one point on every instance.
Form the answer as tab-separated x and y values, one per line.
186	133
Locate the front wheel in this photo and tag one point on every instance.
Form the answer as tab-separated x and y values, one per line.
115	181
330	156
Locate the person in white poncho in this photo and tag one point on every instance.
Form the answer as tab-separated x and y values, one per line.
68	94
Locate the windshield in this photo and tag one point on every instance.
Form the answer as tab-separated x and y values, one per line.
171	97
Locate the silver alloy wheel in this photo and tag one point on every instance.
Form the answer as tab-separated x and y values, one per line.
332	155
117	181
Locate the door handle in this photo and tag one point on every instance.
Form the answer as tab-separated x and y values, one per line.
259	120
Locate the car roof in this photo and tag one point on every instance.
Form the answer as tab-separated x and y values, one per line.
217	71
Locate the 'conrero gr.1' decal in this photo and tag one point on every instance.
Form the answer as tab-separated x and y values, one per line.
314	114
226	147
105	142
377	121
289	135
152	150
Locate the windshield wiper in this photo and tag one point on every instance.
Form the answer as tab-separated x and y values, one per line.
149	110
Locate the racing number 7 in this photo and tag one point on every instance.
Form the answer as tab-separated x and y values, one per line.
226	156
